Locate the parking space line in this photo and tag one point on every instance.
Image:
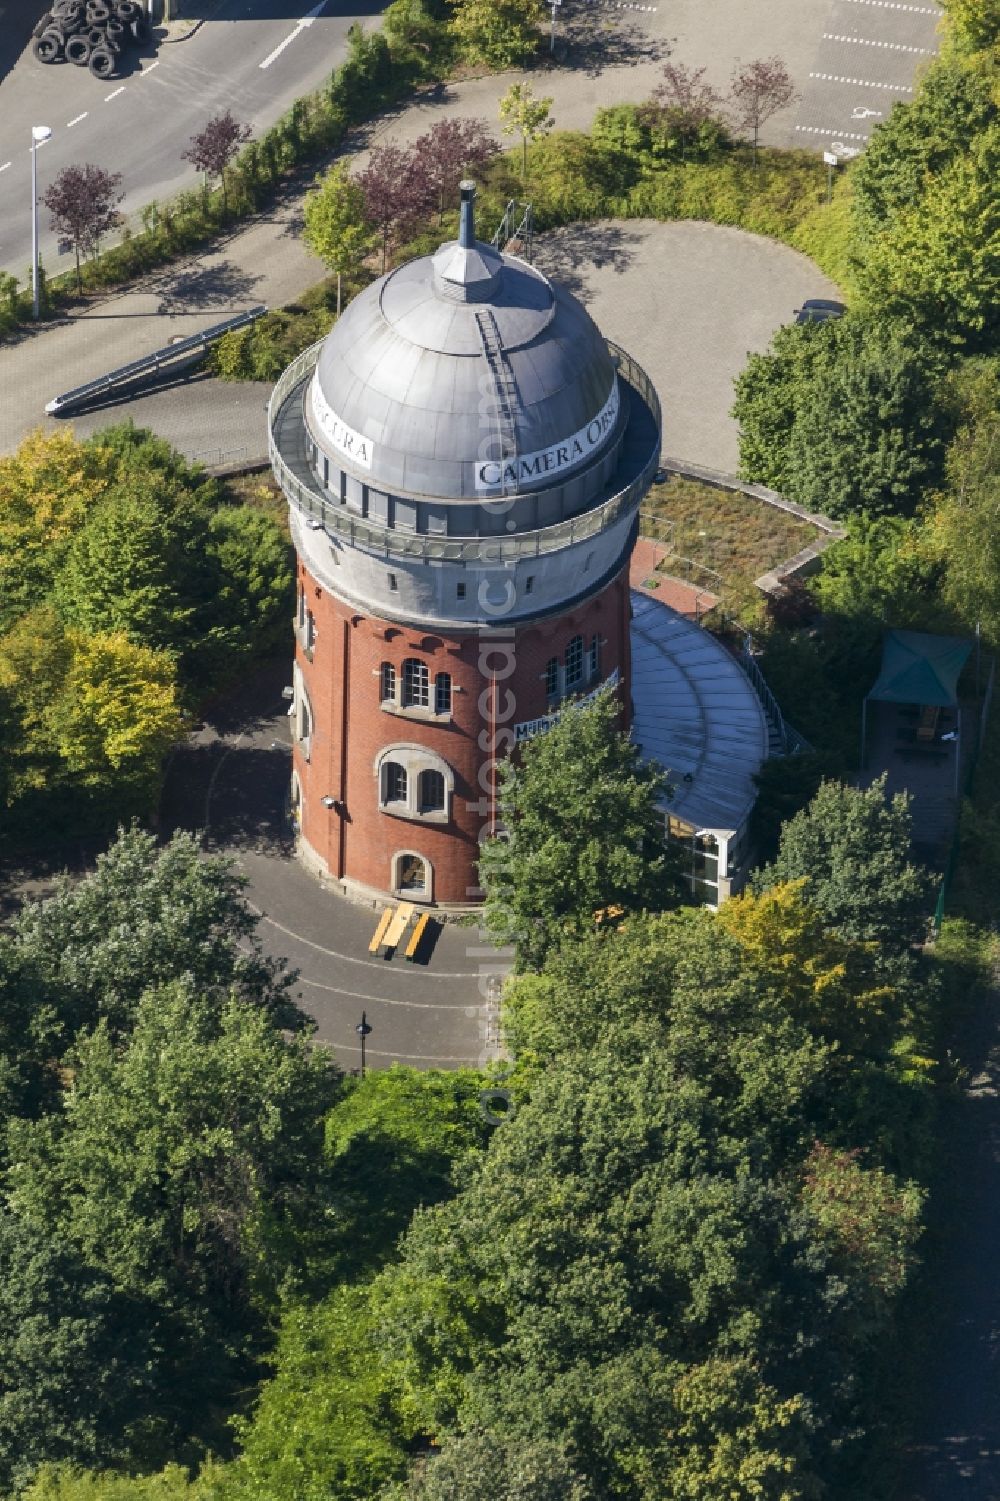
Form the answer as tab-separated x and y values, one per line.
864	83
918	10
821	130
76	119
144	71
864	41
114	95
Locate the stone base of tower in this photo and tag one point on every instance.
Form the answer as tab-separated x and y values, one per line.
397	733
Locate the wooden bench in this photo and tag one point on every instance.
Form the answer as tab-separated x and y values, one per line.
379	933
399	924
418	932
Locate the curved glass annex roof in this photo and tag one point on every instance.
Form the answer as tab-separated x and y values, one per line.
697	714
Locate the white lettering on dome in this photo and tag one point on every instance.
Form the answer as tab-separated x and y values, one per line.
490	475
345	440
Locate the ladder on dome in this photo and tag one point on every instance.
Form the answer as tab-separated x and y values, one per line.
515	234
503	383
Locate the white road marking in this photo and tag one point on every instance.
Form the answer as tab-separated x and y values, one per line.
40	144
114	95
383	1000
307	20
864	83
461	974
76	120
819	130
144	71
5	166
864	41
919	10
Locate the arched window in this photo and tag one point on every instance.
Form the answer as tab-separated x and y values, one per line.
442	693
592	662
394	782
430	794
416	684
552	677
388	682
574	662
412	875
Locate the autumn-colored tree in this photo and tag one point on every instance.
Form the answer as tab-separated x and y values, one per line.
212	149
396	194
336	226
449	151
759	90
47	487
525	116
687	109
83	203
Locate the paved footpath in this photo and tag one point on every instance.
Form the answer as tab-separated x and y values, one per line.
616	54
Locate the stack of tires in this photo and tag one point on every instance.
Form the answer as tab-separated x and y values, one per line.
91	33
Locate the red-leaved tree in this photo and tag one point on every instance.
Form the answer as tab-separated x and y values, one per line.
688	109
83	204
397	194
451	150
213	148
759	89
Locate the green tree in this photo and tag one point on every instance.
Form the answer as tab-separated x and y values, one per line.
251	565
937	265
144	917
525	116
846	418
482	1467
335	225
852	849
919	140
583	831
393	1142
499	33
184	1166
965	526
66	1483
975	23
75	1357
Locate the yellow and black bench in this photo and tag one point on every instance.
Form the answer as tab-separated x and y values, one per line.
418	932
378	937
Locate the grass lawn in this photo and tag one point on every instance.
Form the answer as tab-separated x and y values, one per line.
730	535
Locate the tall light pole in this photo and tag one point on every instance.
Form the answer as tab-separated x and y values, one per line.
363	1029
39	134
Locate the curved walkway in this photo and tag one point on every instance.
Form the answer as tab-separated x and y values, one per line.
687	299
229	782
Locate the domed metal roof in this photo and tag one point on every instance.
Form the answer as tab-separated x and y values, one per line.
453	361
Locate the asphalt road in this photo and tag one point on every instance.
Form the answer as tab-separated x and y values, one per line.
251	56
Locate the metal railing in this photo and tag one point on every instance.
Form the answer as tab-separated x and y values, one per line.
149	363
390	543
791	741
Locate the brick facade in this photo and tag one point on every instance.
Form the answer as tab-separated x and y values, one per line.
498	681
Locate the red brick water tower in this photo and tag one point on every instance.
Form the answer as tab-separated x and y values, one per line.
464	458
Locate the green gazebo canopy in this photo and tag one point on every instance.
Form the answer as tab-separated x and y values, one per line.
918	668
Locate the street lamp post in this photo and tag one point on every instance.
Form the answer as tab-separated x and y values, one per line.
363	1028
552	39
39	134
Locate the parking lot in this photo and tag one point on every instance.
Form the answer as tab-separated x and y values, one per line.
867	58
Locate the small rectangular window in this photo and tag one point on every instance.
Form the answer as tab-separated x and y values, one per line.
529	583
461	591
392	581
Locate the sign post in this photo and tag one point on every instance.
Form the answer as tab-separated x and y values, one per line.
552	39
832	160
